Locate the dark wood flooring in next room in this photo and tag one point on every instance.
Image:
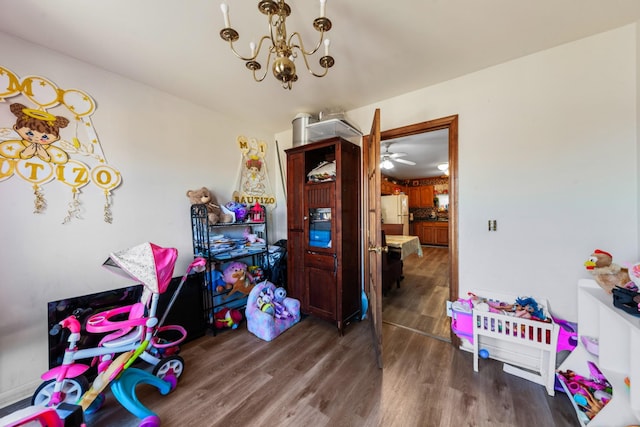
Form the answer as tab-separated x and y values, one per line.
420	301
310	376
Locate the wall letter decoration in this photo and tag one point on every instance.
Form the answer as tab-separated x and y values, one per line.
39	146
254	186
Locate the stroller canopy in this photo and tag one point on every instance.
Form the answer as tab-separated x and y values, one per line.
147	263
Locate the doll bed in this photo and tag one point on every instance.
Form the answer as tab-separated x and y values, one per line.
527	347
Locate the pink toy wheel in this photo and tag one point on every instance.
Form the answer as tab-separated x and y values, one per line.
172	365
72	391
172	380
150	421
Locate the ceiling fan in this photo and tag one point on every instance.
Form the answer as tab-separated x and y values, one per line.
387	158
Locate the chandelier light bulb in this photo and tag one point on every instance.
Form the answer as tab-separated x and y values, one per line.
327	42
225	13
252	46
322	7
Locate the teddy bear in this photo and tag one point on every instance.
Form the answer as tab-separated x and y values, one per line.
607	274
205	197
237	275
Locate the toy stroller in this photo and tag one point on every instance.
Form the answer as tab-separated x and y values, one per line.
132	331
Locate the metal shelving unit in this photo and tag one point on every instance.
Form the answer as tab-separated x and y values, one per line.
220	244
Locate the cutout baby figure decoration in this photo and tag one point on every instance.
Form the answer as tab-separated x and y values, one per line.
39	146
38	130
254	186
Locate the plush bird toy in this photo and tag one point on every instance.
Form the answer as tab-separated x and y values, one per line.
227	318
607	274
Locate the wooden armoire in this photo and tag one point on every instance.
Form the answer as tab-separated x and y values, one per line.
324	230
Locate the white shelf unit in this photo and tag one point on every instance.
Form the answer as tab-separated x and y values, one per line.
618	357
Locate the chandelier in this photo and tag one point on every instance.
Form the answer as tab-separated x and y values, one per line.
282	48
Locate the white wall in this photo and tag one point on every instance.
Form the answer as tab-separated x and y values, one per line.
162	145
547	147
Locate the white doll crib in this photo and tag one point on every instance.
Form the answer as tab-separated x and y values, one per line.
527	347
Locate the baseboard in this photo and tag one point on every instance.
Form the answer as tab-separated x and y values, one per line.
17	394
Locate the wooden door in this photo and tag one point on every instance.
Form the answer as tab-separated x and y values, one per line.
296	177
372	237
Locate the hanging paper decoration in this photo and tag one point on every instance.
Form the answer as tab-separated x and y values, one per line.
37	172
254	186
106	178
75	174
39	145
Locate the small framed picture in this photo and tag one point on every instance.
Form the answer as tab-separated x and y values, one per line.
415	183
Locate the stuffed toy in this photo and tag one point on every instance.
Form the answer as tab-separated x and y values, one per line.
281	312
216	280
227	318
240	209
607	274
257	273
524	307
203	196
265	301
528	308
270	301
251	237
237	275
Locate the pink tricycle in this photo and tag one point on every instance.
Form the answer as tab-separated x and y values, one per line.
132	331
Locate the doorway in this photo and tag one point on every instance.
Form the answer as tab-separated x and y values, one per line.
416	267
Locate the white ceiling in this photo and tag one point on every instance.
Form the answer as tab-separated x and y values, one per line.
427	150
381	48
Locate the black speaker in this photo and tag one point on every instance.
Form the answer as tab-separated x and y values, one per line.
187	310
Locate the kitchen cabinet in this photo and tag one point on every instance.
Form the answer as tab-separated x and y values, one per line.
389	187
432	232
386	187
421	196
426	196
323	230
414	197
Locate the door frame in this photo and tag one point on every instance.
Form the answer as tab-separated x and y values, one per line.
450	123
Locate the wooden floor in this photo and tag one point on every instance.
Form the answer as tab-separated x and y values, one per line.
420	302
310	376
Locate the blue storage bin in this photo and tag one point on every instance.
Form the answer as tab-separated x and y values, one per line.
320	238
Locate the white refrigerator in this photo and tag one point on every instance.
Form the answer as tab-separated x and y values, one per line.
395	210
